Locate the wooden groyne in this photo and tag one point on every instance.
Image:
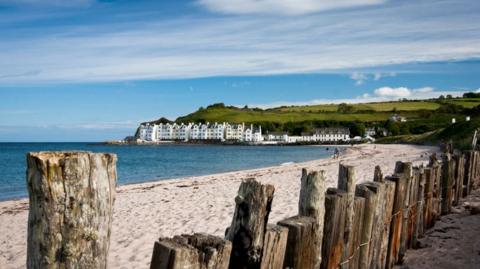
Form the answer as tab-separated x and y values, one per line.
369	225
355	226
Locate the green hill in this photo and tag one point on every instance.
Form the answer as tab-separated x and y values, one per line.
422	115
460	134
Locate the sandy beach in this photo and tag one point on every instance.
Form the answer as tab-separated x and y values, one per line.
144	212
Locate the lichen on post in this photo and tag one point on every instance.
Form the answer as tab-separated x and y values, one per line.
71	205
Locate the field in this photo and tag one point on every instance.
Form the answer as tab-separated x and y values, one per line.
367	112
378	107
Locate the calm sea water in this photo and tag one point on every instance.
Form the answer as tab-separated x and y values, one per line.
148	163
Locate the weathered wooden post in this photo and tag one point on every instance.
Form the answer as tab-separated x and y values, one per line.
419	208
371	201
386	223
412	208
376	236
475	182
459	176
332	248
247	232
396	219
378	175
301	251
312	204
198	251
468	172
71	205
437	189
428	209
447	182
405	169
346	183
354	259
274	247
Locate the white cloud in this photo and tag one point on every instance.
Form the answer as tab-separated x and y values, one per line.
359	78
424	90
400	92
478	90
241	45
289	7
379	75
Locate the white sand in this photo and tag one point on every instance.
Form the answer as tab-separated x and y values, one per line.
144	212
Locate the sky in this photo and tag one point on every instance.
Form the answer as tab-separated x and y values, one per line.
86	70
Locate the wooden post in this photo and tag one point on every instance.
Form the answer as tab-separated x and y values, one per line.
346	183
312	204
428	208
378	175
198	251
371	201
71	204
396	219
459	175
437	190
419	208
412	208
386	223
301	253
378	223
247	232
332	248
405	169
468	172
475	182
274	247
354	251
447	182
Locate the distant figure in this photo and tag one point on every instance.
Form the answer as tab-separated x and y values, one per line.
336	153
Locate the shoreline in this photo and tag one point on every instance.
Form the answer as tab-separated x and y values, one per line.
145	211
342	149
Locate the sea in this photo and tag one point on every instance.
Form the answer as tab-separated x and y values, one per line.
143	163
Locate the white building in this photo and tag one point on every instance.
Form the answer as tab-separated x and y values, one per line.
257	135
397	117
205	131
370	131
327	135
218	131
234	131
194	132
184	131
148	132
278	136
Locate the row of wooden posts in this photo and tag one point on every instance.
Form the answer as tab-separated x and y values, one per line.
367	225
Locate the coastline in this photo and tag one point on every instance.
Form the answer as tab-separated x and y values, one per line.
146	211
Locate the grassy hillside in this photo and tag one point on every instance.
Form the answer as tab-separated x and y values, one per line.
369	112
461	134
422	115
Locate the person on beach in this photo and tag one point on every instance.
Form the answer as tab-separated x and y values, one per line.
336	153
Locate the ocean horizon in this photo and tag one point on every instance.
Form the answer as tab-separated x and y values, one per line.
147	163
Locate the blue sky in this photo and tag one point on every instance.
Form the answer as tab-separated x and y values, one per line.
85	70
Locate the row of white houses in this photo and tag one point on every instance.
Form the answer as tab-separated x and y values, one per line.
191	131
234	132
